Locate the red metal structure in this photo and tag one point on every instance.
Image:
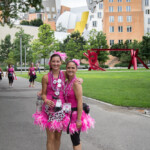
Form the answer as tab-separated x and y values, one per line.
93	54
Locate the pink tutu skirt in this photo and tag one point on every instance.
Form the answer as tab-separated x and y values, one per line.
86	119
42	120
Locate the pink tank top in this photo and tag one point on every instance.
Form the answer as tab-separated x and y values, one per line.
32	71
11	70
70	95
51	87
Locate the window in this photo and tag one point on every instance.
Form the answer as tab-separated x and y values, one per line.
120	18
129	18
100	5
94	23
129	40
110	8
92	16
111	42
47	9
128	8
111	1
49	16
147	11
54	16
119	0
129	29
119	8
148	20
120	29
146	2
111	18
120	41
99	15
39	16
128	0
148	30
53	9
111	29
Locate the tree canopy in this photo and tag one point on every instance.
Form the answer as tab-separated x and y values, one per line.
10	9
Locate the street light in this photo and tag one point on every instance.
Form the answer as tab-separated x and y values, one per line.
21	52
25	57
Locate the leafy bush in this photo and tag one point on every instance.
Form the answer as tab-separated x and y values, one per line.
122	65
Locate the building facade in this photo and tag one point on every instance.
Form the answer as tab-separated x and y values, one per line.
49	14
123	20
146	8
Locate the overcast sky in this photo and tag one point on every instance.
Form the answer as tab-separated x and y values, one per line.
74	3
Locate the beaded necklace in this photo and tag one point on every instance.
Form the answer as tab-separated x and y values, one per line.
68	87
57	85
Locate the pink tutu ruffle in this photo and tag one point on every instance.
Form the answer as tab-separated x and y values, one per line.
86	119
41	119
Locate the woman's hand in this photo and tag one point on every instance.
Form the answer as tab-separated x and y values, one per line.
80	80
78	124
50	103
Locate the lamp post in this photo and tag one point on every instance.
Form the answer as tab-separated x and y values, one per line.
21	52
25	57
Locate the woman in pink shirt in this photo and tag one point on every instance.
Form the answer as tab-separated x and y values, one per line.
10	73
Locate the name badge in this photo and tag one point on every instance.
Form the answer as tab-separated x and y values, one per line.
58	103
67	107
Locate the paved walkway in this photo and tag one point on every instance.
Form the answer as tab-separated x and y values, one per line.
116	128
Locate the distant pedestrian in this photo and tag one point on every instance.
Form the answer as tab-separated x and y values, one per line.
38	66
10	73
32	74
1	74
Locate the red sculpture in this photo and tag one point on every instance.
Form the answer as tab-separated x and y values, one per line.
93	54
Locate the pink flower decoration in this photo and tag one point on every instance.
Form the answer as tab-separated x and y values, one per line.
62	55
77	61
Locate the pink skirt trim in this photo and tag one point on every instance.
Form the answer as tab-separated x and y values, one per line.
87	123
41	119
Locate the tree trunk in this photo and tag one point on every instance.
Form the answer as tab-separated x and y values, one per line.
44	65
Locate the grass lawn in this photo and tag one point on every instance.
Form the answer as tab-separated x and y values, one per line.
119	87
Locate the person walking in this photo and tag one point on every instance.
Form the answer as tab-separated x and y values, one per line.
32	74
1	73
80	120
38	67
10	73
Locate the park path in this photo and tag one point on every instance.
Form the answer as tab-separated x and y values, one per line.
116	128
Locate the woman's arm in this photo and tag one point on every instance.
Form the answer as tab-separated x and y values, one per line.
78	93
44	91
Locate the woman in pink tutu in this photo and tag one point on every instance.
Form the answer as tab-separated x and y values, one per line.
52	118
80	121
32	74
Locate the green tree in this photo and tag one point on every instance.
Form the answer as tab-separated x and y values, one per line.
36	22
5	48
60	28
73	45
44	44
10	59
24	22
98	40
26	44
10	9
145	48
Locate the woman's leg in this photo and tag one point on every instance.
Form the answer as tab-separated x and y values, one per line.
75	138
50	140
57	140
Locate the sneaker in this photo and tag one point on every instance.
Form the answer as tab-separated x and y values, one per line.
29	85
33	86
